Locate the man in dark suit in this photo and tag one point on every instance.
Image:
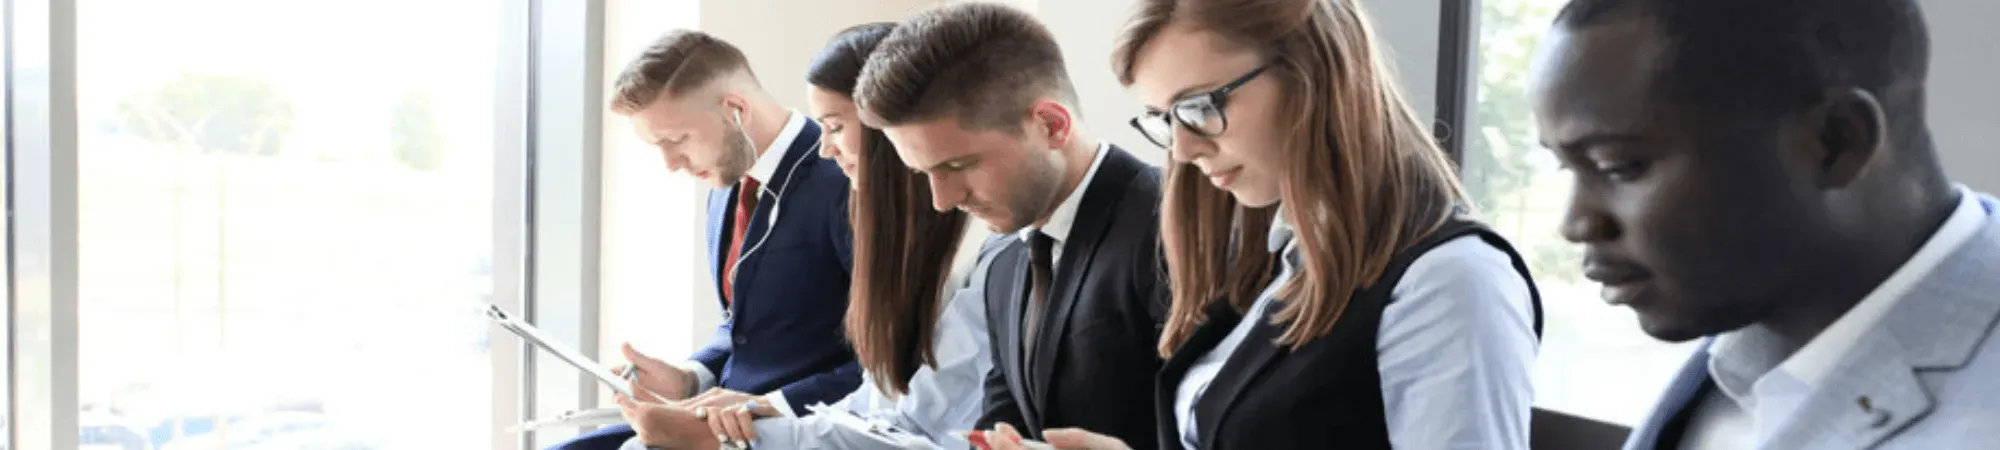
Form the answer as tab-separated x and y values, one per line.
777	230
975	96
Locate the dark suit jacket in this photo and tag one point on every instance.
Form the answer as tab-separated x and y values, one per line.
784	332
1095	362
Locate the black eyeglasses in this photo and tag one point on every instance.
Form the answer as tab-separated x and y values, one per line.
1200	113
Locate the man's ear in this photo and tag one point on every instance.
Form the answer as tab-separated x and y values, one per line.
1052	121
1851	134
731	103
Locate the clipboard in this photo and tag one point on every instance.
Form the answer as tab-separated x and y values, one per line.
574	419
568	354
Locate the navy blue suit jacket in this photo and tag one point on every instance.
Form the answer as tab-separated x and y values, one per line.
784	331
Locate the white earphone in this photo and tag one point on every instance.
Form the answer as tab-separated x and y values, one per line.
777	197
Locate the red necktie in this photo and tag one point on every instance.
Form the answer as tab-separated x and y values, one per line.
746	203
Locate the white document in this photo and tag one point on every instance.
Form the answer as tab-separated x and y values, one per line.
847	419
566	353
581	418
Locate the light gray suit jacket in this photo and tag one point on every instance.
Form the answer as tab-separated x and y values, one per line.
1926	377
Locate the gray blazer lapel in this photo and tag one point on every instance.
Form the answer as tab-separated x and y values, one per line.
1864	401
1875	390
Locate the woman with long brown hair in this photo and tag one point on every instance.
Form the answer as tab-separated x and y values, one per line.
918	329
1329	290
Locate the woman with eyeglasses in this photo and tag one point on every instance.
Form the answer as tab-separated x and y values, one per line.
1329	290
917	327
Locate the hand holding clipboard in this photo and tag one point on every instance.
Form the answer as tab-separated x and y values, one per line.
661	376
566	353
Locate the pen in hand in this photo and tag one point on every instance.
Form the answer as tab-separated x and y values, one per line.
631	376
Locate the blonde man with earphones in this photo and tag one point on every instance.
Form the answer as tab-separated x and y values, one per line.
778	241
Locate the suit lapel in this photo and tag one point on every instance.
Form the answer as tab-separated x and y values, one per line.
1005	279
719	220
1680	395
1252	356
1094	214
1221	319
1866	400
1014	300
1874	391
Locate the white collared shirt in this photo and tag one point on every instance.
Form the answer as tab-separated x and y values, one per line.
762	171
1060	220
774	154
1754	396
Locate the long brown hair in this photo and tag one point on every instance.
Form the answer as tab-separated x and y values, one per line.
902	248
1369	178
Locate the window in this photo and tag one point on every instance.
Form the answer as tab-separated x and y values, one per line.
1594	360
286	223
6	236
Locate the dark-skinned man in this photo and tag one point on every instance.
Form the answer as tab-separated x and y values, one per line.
1758	174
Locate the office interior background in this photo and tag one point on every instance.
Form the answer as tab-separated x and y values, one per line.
274	224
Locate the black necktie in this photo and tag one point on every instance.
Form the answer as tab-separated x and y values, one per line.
1041	268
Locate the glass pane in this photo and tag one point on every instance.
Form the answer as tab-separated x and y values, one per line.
1594	361
286	223
6	241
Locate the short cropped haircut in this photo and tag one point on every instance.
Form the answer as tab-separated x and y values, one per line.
677	63
1767	58
982	63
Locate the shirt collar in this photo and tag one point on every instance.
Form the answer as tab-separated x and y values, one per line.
774	154
1741	361
1058	225
1281	233
1282	239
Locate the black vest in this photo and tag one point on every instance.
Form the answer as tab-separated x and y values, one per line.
1327	394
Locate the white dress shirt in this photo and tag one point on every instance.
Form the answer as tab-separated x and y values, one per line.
1454	350
763	170
1759	385
1060	220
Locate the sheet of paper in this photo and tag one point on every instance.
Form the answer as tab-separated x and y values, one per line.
568	354
580	418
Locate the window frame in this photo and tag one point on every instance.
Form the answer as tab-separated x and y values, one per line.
42	248
1457	74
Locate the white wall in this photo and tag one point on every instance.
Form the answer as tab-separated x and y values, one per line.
1964	100
1087	30
781	36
